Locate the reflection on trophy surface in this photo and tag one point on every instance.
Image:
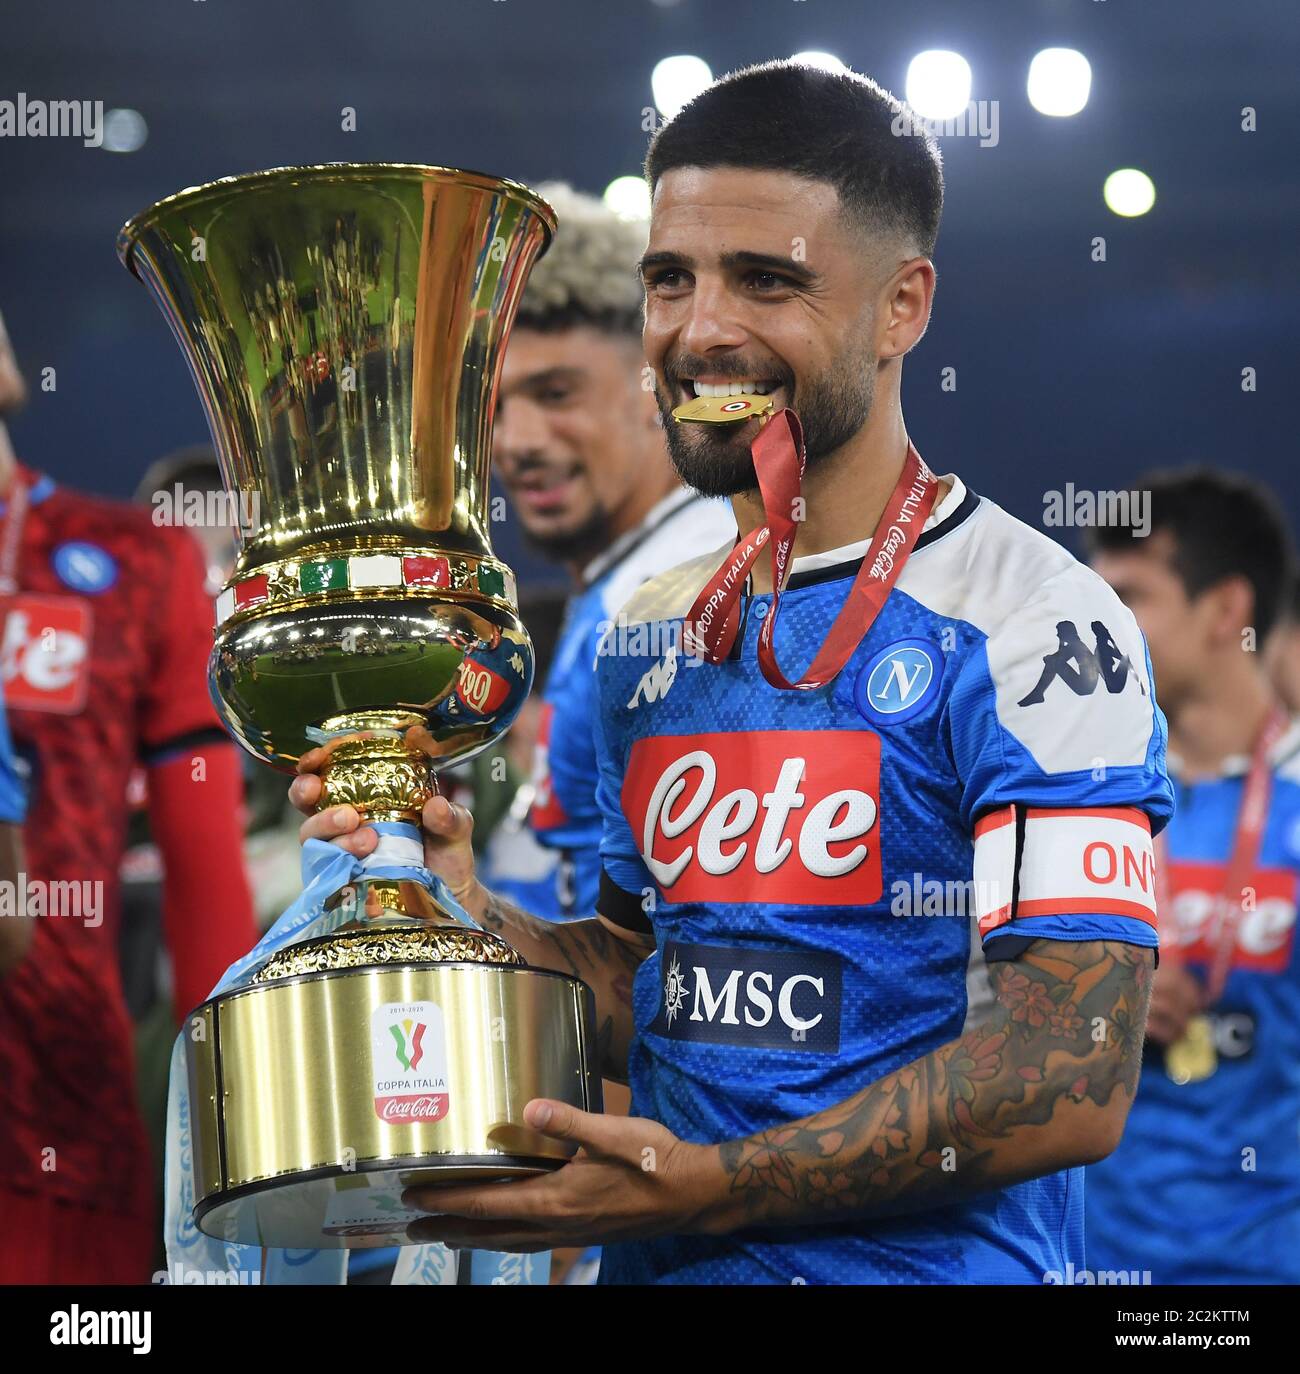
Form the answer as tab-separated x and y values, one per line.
344	325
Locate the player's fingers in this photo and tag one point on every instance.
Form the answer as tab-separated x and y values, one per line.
450	823
530	1201
304	793
342	826
448	843
595	1132
312	761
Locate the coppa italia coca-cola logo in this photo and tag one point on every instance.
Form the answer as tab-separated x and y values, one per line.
480	688
409	1061
46	653
784	816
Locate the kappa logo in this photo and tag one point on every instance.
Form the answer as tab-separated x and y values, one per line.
657	680
764	999
899	682
1080	667
786	816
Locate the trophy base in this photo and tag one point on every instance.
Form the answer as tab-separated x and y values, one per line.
336	1210
316	1098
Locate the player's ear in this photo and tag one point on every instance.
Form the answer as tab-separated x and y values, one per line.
907	299
1232	607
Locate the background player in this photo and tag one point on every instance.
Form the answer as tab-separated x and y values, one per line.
106	639
1205	1187
850	1125
578	445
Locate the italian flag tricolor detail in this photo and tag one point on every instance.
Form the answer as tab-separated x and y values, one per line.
367	571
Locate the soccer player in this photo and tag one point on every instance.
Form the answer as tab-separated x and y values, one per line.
815	1096
1205	1187
107	631
578	444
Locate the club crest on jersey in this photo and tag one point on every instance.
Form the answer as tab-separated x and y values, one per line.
1080	667
84	567
774	999
785	816
899	682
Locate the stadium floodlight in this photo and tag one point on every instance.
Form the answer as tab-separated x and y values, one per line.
1059	81
938	84
629	198
124	131
676	81
823	61
1129	192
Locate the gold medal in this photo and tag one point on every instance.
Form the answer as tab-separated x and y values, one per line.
1193	1057
724	410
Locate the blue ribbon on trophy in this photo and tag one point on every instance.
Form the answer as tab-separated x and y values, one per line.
192	1256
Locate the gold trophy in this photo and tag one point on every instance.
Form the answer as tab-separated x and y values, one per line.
345	327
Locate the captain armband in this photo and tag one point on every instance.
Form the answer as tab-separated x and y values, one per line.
1080	867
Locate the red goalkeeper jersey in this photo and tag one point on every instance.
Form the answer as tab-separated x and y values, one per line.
105	647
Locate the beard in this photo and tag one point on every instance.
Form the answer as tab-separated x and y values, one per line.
578	545
715	461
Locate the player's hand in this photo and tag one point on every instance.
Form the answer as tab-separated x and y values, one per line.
1175	999
631	1178
447	828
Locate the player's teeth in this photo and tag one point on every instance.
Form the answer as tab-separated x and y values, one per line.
733	388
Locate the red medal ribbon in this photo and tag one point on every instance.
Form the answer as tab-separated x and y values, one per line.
714	619
1252	816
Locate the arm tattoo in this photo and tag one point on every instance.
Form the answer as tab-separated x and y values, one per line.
1007	1101
586	950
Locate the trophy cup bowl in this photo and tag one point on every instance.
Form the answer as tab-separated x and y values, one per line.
345	326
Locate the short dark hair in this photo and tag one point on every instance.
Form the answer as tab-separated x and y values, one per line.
1223	525
828	126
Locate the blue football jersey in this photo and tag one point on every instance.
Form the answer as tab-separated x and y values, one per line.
565	815
1205	1185
773	839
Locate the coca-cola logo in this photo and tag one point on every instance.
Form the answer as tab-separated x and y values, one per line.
884	560
480	688
785	816
1265	927
432	1107
45	657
